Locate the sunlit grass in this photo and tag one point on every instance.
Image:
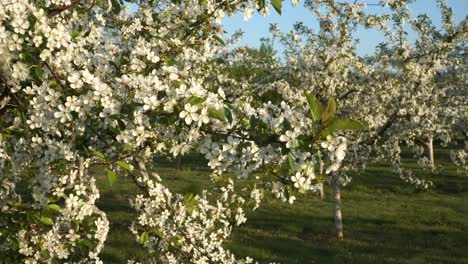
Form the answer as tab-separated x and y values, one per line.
385	220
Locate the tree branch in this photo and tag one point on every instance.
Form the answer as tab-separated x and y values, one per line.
55	11
54	74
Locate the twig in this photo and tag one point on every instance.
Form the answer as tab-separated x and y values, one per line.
56	77
55	11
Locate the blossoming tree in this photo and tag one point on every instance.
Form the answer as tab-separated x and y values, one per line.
86	83
400	91
404	91
426	108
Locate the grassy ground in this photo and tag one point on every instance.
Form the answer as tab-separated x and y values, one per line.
385	221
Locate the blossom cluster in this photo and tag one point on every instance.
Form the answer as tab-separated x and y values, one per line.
195	226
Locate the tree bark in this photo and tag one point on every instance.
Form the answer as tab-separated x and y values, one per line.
321	192
337	205
430	148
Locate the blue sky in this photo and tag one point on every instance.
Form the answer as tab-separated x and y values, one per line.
258	26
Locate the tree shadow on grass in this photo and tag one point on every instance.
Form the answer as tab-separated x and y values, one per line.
390	244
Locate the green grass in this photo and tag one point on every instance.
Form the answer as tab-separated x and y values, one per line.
385	220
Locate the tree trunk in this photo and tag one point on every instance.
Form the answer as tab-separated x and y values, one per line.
431	152
321	193
337	205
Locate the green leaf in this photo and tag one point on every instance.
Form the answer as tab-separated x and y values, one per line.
220	40
218	114
188	196
325	133
88	243
285	151
27	57
121	124
158	233
144	237
111	177
330	110
329	120
127	148
99	154
116	8
347	124
314	106
228	114
287	125
116	116
55	208
38	72
32	21
75	34
252	121
287	192
190	202
46	220
124	165
54	85
12	129
291	162
133	105
53	199
45	254
195	100
260	4
277	4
